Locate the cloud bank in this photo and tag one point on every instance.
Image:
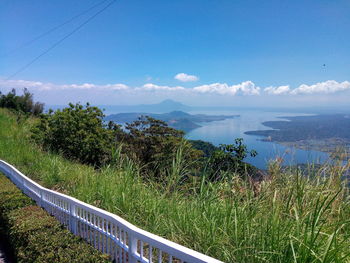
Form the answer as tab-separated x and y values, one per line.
20	84
327	87
246	88
154	87
277	90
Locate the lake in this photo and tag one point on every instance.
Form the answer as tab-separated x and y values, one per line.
224	132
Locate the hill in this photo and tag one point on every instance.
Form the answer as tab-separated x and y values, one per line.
162	107
287	218
175	119
325	132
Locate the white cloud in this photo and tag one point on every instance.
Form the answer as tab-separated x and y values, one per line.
185	77
329	86
154	87
118	86
20	84
277	90
245	88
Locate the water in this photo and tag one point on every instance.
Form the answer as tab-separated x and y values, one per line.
224	132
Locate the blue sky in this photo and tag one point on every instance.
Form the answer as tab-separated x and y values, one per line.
230	52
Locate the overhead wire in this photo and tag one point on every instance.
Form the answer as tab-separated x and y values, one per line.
31	41
60	41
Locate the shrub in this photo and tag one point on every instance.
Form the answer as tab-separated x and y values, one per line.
38	237
35	236
155	144
229	158
206	147
77	132
23	103
11	197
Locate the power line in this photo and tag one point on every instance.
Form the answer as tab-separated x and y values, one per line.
59	41
54	29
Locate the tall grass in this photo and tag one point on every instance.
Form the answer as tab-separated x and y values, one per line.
289	217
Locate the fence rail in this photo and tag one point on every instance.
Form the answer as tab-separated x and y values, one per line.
107	232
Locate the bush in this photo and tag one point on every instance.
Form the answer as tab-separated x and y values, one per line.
23	103
206	147
11	197
77	132
35	236
155	145
229	158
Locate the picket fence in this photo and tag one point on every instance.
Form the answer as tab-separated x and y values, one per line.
107	232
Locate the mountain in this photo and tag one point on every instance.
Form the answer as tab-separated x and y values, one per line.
176	119
169	105
162	107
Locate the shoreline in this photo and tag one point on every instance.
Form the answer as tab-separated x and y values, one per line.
336	148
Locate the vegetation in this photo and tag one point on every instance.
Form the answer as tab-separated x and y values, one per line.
77	132
206	147
22	104
308	127
285	218
327	133
34	235
176	119
229	159
155	144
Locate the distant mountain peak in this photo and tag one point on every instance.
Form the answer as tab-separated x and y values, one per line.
169	102
165	106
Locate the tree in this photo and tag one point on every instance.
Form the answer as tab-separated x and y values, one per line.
154	144
229	158
78	133
23	104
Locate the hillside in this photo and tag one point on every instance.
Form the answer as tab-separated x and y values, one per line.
287	218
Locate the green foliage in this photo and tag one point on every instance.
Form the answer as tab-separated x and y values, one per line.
34	235
23	103
206	147
11	197
229	158
38	237
288	217
77	132
80	133
155	144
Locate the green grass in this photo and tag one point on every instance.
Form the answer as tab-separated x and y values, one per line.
35	236
287	218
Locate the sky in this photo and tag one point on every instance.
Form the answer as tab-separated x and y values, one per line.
199	52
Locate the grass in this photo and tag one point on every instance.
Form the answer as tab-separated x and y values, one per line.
287	218
35	236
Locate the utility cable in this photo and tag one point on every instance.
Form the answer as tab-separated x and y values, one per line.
25	44
59	41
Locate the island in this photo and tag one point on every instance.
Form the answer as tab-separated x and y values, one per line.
176	119
327	133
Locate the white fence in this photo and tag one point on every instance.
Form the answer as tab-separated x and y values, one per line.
107	232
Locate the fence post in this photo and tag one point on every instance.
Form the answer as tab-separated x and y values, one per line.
23	183
132	249
41	201
72	219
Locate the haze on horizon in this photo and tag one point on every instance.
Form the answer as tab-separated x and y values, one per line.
201	53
